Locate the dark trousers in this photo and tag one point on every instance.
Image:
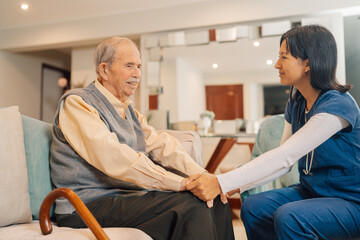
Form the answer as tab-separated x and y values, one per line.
162	215
293	213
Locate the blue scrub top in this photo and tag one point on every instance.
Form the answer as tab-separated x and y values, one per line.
336	162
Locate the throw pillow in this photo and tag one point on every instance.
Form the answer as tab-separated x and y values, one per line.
37	139
14	201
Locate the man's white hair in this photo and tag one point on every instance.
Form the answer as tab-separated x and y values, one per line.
106	50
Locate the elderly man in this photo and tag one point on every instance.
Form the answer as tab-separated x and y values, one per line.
104	150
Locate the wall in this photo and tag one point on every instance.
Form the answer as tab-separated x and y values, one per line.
254	103
352	54
190	91
335	24
263	77
184	91
21	80
168	99
82	66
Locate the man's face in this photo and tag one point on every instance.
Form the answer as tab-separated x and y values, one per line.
124	74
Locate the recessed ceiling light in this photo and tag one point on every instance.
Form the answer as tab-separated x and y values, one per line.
269	62
256	44
24	6
215	66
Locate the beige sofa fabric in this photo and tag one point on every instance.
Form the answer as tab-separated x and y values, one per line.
191	141
32	231
14	201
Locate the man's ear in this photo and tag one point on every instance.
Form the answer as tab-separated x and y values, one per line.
103	71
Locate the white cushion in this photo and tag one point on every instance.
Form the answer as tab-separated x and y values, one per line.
31	231
15	201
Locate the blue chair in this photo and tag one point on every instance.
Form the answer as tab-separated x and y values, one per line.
269	137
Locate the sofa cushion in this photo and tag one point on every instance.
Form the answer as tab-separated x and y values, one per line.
32	231
37	139
15	203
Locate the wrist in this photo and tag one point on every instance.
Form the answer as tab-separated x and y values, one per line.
184	182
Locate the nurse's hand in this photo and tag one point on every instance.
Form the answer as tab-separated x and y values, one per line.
204	185
223	199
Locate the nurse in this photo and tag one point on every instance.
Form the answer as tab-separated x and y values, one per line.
322	133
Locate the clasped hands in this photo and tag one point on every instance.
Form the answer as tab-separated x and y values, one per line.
206	187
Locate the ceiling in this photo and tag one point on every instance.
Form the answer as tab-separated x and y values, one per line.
231	57
239	56
50	11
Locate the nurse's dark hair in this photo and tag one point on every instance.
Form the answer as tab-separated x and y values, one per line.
317	44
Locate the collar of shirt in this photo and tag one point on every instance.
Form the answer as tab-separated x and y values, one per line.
119	106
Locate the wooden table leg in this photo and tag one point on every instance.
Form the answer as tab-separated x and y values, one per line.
235	204
220	152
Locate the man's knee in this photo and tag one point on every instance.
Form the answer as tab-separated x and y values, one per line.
192	204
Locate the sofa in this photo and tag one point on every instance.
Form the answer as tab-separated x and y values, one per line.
25	182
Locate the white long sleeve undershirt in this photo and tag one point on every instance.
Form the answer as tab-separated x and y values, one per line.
279	161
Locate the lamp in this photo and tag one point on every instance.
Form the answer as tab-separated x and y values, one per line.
62	82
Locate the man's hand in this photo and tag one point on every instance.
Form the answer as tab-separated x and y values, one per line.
204	185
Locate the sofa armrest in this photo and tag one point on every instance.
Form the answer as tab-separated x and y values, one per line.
191	141
83	211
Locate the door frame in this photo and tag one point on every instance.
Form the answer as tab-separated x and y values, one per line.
66	74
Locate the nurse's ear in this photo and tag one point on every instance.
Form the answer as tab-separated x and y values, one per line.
307	66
